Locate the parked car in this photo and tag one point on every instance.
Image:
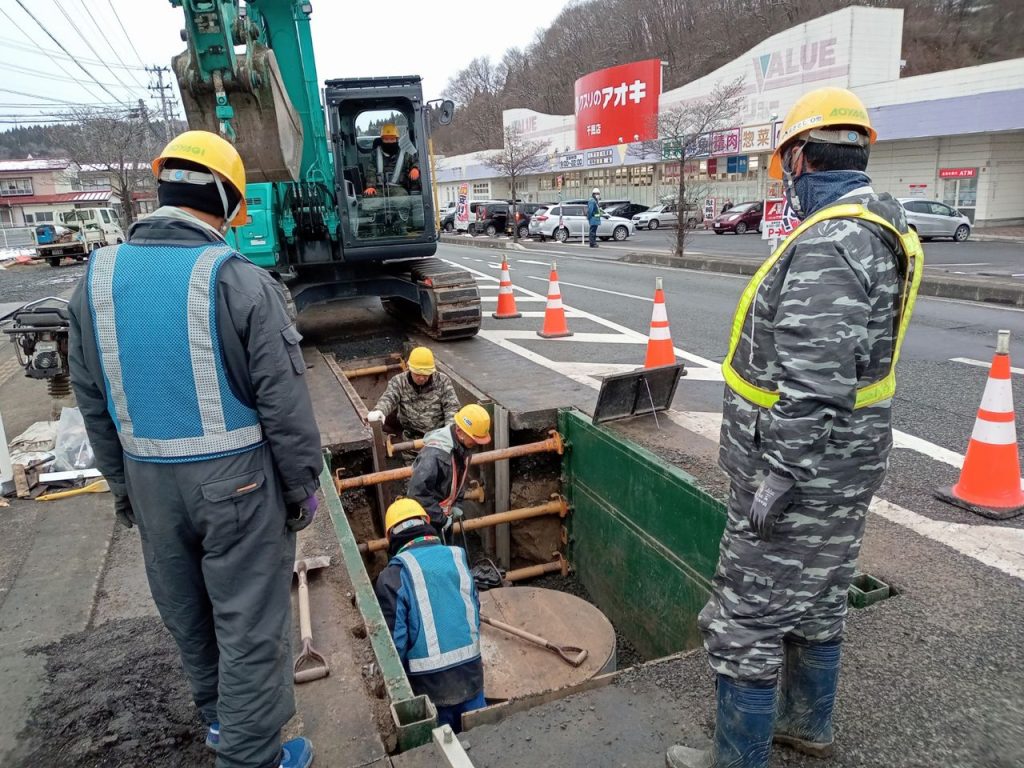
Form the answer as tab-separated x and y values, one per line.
741	218
491	218
474	206
524	212
561	222
930	218
665	215
448	222
625	209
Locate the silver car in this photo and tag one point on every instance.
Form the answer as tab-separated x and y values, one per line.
666	215
930	218
561	222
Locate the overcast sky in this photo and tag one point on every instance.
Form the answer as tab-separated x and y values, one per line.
400	37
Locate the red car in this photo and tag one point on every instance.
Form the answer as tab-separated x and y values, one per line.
741	218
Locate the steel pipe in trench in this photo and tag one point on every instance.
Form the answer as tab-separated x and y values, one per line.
558	565
356	373
553	444
556	507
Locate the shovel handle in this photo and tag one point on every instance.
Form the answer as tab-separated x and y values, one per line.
305	626
568	653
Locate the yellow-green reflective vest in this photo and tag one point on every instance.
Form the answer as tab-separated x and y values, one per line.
871	394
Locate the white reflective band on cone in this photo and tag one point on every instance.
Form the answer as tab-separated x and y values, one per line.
660	315
995	432
998	397
555	303
660	334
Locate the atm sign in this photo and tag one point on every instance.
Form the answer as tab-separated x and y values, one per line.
957	173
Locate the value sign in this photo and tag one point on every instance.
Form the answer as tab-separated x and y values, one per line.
618	104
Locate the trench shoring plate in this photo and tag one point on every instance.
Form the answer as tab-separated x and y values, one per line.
514	668
637	392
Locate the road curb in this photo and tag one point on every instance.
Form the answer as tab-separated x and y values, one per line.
477	242
982	238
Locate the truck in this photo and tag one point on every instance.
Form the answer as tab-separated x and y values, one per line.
314	220
80	232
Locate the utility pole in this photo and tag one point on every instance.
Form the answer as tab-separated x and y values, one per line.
163	93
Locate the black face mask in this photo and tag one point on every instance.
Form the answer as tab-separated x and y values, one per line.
390	149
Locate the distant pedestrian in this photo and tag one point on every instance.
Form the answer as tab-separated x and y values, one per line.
188	373
727	205
594	215
806	433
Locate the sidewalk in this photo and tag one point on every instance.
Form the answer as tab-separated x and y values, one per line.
999	234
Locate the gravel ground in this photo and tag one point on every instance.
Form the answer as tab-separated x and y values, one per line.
27	282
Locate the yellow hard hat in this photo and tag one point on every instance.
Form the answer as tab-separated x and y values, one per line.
402	510
421	361
214	152
389	131
475	422
823	108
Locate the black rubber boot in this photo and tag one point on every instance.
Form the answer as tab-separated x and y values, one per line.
743	729
807	696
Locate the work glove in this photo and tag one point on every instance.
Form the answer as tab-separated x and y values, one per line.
303	514
375	416
414	174
123	511
456	513
448	520
769	503
370	191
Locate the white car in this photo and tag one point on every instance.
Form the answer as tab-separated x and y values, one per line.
930	218
666	215
561	222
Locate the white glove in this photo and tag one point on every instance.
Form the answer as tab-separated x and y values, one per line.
456	513
375	416
447	523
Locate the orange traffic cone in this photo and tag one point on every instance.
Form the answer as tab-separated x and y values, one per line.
990	480
555	326
659	342
506	301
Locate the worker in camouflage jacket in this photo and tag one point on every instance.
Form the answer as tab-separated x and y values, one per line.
806	435
423	397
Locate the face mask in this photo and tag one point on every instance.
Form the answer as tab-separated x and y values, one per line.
390	149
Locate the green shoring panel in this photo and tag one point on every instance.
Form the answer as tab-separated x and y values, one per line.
643	536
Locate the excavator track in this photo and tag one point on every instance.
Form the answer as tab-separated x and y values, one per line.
449	301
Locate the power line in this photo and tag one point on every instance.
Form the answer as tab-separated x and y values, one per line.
45	75
60	45
62	68
50	98
85	40
50	53
113	47
129	37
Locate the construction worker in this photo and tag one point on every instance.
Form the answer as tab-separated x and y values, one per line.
393	169
441	469
594	215
423	397
190	379
805	437
432	608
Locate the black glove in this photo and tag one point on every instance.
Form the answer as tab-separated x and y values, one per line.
769	503
301	515
123	511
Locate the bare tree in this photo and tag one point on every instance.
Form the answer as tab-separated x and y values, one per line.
517	158
681	131
117	144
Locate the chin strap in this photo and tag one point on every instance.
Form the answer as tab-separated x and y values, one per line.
789	179
229	215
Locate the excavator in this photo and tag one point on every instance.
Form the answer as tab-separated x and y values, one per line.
317	220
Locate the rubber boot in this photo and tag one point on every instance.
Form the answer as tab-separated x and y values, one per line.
213	736
807	696
743	729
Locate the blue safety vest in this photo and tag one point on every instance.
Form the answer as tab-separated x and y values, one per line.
444	621
154	311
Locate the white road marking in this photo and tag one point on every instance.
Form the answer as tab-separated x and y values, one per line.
980	364
965	264
568	313
975	304
518	298
599	290
493	266
584	338
537	263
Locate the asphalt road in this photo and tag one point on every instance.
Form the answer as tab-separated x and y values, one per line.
941	377
974	257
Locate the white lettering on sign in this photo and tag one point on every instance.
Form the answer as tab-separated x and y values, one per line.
594	129
616	96
525	124
792	65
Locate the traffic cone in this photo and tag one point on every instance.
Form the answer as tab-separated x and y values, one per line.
659	342
555	326
506	300
990	479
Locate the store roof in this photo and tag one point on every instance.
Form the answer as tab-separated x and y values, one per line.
33	164
977	113
101	196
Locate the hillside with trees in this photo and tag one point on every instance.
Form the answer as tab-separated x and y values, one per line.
696	37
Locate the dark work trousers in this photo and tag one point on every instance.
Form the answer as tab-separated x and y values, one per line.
593	235
219	561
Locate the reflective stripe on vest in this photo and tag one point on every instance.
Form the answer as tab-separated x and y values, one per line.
873	393
395	174
436	659
442	439
187	422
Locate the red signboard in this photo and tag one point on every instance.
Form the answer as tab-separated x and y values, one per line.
618	105
957	173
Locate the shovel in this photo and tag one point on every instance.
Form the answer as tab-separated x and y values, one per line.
99	486
309	665
568	653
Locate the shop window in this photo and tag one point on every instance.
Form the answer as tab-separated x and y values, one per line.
15	187
5	217
482	190
736	164
712	166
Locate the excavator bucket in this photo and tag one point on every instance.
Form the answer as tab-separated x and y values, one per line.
268	133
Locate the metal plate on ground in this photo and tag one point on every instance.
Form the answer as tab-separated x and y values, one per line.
514	668
637	393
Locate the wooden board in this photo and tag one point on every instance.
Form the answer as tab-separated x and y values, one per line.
341	427
514	668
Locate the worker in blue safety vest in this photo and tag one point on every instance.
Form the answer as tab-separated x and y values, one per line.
432	608
189	376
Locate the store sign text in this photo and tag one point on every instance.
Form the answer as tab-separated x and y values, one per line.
957	173
792	65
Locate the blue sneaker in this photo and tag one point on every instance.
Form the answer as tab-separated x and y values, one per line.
213	736
297	753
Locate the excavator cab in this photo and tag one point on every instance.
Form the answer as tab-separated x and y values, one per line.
382	185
